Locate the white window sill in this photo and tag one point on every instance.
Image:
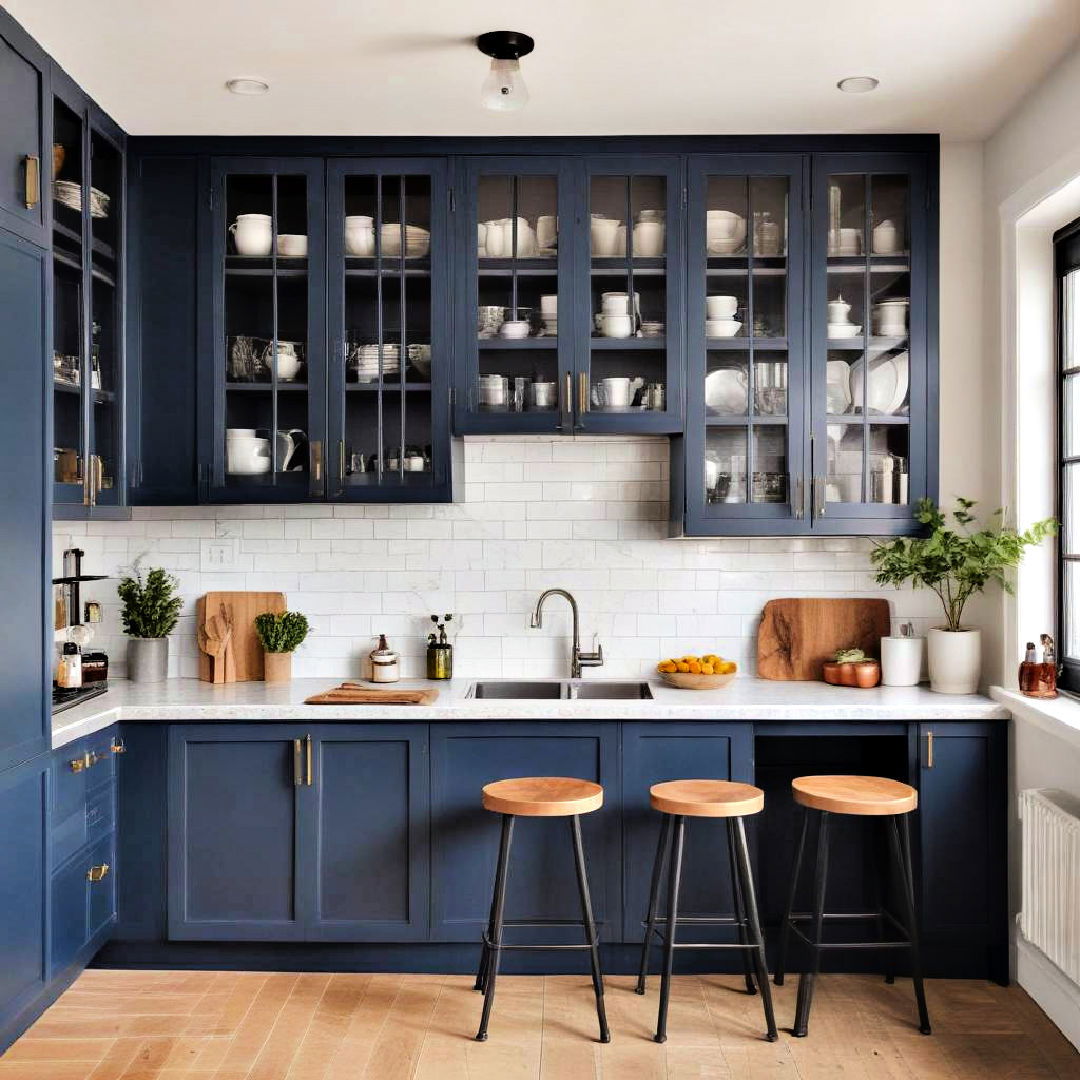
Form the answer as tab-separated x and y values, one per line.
1059	716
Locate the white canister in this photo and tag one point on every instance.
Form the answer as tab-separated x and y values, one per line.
253	234
885	238
385	663
648	239
901	660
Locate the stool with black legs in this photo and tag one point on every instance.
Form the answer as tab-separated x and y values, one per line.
539	796
863	796
677	800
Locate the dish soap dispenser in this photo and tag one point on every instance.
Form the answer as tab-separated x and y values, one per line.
440	653
385	663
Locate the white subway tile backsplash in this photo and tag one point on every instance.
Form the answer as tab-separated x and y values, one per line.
588	514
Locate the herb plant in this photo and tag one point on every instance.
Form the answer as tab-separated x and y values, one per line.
849	656
282	633
956	561
151	606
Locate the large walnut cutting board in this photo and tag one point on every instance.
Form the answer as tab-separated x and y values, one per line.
798	635
247	653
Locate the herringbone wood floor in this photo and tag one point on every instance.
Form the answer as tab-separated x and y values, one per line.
173	1025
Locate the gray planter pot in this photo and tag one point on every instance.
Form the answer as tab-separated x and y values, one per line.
148	659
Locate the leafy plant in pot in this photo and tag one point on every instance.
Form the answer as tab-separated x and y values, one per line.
149	613
280	635
956	560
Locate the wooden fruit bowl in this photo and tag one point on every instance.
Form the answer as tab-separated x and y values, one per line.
683	680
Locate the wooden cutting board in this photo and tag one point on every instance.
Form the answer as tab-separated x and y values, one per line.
246	652
798	635
357	694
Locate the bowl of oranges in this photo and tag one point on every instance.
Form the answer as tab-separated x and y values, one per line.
708	672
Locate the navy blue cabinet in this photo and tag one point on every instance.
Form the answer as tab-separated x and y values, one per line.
961	774
24	490
283	833
23	896
657	752
25	165
465	837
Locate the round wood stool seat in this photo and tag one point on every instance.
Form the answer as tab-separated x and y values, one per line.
706	798
543	796
868	796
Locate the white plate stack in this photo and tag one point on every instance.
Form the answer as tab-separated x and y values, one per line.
417	241
364	362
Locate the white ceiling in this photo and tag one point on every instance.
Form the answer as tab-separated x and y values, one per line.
408	67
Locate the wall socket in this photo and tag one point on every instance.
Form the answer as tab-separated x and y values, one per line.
218	555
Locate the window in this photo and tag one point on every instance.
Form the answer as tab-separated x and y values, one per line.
1067	275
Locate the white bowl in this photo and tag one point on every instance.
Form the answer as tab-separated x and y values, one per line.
722	328
721	307
840	331
292	245
514	329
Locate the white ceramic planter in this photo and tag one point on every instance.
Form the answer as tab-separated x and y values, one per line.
954	659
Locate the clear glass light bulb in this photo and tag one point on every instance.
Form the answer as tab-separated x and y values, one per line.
504	89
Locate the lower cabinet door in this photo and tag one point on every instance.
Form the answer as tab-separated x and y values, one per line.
234	832
23	795
369	787
657	752
465	837
962	820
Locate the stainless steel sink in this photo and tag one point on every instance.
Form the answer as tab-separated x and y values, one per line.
560	689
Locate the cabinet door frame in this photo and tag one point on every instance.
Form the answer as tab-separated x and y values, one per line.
442	377
213	361
773	519
672	168
179	926
468	419
878	519
416	928
34	227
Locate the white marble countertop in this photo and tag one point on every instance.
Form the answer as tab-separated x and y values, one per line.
744	699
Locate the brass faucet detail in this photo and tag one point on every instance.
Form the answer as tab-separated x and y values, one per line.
578	659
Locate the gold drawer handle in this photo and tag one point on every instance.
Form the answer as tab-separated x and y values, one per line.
32	191
97	873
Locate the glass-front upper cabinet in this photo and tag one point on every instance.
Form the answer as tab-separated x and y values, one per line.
389	350
630	336
869	307
516	320
747	380
267	289
87	189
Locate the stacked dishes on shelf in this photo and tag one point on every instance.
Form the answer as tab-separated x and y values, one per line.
720	321
725	232
363	362
839	326
246	454
69	193
360	238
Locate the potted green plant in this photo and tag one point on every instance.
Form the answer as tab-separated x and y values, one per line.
150	608
280	635
956	560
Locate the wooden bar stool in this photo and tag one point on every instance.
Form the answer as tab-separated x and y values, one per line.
861	796
678	800
539	796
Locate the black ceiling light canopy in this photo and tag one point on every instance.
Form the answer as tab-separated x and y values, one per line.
505	44
504	89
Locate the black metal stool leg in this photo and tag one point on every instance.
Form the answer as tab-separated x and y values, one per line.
674	881
662	843
740	909
590	927
785	922
746	887
806	979
485	952
881	897
901	840
494	949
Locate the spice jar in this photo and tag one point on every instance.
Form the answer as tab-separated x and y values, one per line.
385	663
69	671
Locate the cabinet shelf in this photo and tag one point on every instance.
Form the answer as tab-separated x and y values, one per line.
100	397
740	420
856	344
388	387
252	388
856	264
602	344
518	343
760	344
856	419
97	247
531	267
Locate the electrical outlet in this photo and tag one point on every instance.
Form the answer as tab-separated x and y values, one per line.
218	555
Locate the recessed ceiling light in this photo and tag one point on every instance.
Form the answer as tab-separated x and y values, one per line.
858	84
247	85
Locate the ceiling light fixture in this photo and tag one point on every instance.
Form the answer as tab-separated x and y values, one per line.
248	86
504	89
858	84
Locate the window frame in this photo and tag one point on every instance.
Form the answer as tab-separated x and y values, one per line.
1066	261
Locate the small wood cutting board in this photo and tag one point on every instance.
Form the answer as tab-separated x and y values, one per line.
798	635
357	694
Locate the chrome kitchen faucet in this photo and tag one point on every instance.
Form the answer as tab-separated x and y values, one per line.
578	659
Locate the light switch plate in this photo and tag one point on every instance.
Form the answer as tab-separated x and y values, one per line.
218	554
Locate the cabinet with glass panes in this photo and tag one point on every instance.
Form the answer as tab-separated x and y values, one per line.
808	345
87	187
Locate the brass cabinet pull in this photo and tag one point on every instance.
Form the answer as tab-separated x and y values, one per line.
583	392
310	770
568	393
341	462
297	763
84	467
929	749
33	181
797	497
118	746
97	473
97	873
317	467
818	496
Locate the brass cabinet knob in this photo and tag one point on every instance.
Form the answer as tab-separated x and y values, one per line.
97	873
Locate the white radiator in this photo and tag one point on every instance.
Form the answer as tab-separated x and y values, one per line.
1050	854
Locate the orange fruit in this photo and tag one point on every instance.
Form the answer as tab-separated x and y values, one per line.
706	669
683	666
